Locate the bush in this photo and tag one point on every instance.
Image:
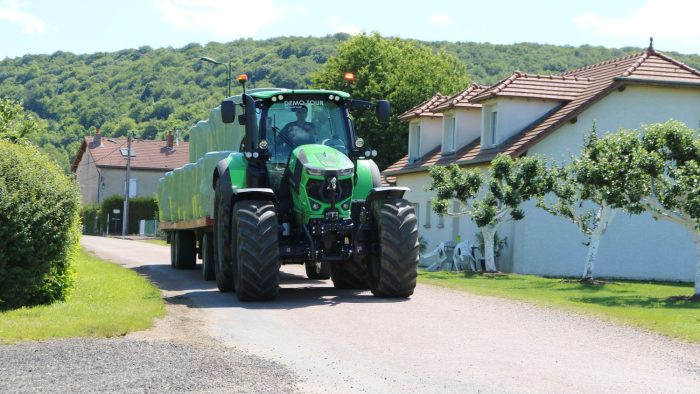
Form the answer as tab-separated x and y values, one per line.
140	208
38	227
89	217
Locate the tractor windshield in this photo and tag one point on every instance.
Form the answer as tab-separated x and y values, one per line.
291	123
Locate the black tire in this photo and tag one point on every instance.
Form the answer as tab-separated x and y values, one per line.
223	259
350	274
255	231
184	250
208	272
393	271
313	271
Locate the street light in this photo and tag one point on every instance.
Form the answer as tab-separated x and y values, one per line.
228	72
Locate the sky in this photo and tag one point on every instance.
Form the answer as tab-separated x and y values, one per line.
82	26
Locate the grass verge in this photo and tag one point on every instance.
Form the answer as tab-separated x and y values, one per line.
108	301
641	304
157	241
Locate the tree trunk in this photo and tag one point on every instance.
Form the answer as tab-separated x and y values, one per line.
696	240
488	234
603	217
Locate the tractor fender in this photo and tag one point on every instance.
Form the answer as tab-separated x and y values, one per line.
254	193
382	193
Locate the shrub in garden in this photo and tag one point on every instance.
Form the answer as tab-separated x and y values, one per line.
38	227
140	208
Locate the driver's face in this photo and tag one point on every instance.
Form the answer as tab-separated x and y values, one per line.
301	115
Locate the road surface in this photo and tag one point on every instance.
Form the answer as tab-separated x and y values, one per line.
437	341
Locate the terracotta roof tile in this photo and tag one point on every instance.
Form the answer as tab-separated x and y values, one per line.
577	89
461	99
424	108
149	154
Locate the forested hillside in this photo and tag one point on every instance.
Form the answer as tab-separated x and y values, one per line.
150	91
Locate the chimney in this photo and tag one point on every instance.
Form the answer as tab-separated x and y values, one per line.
169	139
97	141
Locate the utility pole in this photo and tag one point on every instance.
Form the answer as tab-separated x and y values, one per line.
125	222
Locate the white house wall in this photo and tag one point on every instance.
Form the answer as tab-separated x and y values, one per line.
468	125
88	178
636	247
146	182
514	114
430	134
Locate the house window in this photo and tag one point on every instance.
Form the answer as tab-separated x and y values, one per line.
428	213
414	143
449	140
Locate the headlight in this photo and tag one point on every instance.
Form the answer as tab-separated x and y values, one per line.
314	171
346	171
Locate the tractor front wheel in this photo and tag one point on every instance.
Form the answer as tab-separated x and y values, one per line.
256	255
393	270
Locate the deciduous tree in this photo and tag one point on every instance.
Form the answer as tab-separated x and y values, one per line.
493	199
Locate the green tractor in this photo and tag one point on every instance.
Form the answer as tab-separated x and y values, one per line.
303	189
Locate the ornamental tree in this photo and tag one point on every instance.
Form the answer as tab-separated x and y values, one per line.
491	200
609	175
674	183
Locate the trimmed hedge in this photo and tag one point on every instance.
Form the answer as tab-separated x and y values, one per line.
39	227
140	208
89	217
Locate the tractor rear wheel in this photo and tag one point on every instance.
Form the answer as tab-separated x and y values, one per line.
208	256
223	260
318	271
393	271
256	254
350	274
183	249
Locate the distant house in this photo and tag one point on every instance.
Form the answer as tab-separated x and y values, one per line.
549	115
100	166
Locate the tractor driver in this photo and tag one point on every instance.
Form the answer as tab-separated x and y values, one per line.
300	131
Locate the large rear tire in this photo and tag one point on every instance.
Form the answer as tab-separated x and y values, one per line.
183	250
255	241
393	271
223	259
208	271
318	271
350	274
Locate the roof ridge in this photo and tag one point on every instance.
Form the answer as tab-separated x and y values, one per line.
636	64
603	63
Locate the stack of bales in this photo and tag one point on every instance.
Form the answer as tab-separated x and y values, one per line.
186	193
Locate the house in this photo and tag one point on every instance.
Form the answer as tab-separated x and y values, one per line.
550	115
100	165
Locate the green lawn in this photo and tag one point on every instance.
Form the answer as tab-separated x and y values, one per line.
108	301
157	241
641	304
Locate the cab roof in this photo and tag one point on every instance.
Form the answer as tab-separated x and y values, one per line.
266	93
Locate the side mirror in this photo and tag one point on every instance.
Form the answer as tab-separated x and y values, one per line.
383	111
228	111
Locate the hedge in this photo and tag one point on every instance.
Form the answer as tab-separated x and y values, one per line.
90	218
140	208
39	225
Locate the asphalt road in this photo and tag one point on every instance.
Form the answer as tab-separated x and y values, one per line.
436	341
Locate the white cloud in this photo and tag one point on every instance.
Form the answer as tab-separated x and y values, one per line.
664	19
337	25
223	19
10	11
440	20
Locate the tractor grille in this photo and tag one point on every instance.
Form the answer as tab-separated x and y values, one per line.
320	191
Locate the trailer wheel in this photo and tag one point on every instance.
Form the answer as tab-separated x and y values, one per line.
184	250
350	274
318	271
208	272
255	242
393	270
223	261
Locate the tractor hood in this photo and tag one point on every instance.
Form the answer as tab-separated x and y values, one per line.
321	160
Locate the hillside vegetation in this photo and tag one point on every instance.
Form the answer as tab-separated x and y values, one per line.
150	91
